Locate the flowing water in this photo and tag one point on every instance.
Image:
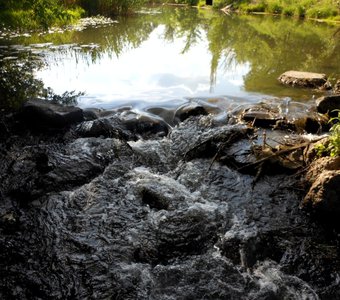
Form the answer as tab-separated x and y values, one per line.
124	206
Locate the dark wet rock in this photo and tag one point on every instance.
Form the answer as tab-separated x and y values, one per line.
193	231
155	219
305	79
304	123
323	196
323	178
144	125
155	154
298	258
105	127
195	107
336	88
91	114
248	251
40	112
262	115
321	164
160	192
197	278
39	170
81	161
188	110
208	137
312	124
327	104
285	115
165	113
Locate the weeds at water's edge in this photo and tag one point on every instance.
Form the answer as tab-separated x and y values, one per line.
311	9
332	146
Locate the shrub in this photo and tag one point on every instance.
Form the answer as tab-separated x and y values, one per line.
250	8
300	11
220	3
331	148
288	11
322	12
113	7
274	7
37	13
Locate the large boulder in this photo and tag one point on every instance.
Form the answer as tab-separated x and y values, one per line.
327	104
336	88
305	79
45	113
323	195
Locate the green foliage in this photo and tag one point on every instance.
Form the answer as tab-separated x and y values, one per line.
320	9
274	6
332	147
218	4
17	82
67	98
35	14
111	7
288	11
253	7
18	19
188	2
322	12
300	11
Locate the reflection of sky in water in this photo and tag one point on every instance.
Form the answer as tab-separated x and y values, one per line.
154	72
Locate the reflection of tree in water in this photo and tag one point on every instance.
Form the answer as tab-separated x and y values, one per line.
269	45
272	46
186	24
17	82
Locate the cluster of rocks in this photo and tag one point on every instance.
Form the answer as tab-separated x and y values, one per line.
119	204
100	204
278	115
323	175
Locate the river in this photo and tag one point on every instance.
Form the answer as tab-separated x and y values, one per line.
167	55
126	205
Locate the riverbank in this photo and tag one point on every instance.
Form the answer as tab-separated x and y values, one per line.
109	203
326	10
44	14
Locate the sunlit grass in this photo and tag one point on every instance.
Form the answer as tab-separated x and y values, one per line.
30	19
316	9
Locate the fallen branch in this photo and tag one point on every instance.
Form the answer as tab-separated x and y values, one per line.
278	153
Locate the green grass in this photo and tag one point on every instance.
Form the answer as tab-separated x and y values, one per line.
316	9
39	16
322	12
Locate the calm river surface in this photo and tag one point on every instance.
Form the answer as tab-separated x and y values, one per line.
167	55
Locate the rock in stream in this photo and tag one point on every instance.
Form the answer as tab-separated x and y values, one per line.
102	211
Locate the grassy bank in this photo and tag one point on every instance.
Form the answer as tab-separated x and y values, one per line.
111	7
37	14
317	9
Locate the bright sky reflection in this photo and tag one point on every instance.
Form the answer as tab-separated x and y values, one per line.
155	71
